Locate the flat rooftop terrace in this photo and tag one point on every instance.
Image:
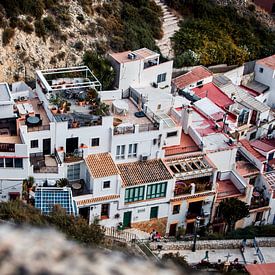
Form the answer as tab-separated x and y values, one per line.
127	116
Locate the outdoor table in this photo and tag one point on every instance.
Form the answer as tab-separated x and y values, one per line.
33	120
76	186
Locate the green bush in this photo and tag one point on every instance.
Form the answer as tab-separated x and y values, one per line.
40	29
219	34
75	228
7	35
51	25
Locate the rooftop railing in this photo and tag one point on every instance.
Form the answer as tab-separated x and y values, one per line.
38	128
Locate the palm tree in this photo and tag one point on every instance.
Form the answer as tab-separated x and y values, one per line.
233	210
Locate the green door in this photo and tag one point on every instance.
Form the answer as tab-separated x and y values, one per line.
154	212
127	219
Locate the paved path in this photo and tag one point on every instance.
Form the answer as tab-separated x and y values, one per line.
216	254
169	27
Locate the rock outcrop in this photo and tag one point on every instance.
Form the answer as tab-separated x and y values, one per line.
31	251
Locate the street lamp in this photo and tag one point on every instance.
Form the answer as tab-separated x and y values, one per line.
197	224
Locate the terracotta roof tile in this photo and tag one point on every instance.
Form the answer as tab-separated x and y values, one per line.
195	75
188	197
141	172
246	144
268	62
264	145
98	199
101	165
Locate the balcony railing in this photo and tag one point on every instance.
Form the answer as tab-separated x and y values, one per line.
258	203
202	187
182	190
73	157
148	127
46	169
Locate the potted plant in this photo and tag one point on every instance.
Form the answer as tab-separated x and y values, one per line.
74	124
54	110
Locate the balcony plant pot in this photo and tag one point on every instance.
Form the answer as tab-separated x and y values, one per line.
54	110
74	124
81	103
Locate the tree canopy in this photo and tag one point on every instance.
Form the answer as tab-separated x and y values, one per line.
219	34
75	228
232	210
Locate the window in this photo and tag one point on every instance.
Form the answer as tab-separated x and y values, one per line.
157	190
132	151
34	143
199	83
261	70
95	142
176	209
73	172
105	210
154	212
172	134
106	184
253	135
161	78
1	162
134	194
9	162
120	152
243	117
18	163
271	156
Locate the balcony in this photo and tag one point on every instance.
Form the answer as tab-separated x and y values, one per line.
202	187
44	164
77	155
258	200
182	189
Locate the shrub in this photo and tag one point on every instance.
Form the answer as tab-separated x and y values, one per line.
28	28
7	35
40	29
79	45
51	25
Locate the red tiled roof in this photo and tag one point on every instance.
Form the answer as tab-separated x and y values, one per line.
141	172
101	165
268	62
226	188
260	269
264	145
193	76
97	199
212	92
246	144
187	145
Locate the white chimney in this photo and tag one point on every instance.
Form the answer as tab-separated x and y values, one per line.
186	118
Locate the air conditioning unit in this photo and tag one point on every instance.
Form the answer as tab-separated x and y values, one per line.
143	157
269	136
155	85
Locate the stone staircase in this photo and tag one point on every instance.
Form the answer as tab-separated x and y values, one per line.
169	27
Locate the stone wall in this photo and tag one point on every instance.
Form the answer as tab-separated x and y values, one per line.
213	244
158	224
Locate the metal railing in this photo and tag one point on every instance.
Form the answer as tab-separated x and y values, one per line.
57	157
148	127
38	128
119	234
258	251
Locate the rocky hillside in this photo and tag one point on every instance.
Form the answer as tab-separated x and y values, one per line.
46	33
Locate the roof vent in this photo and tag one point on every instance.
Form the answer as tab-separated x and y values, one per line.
132	56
